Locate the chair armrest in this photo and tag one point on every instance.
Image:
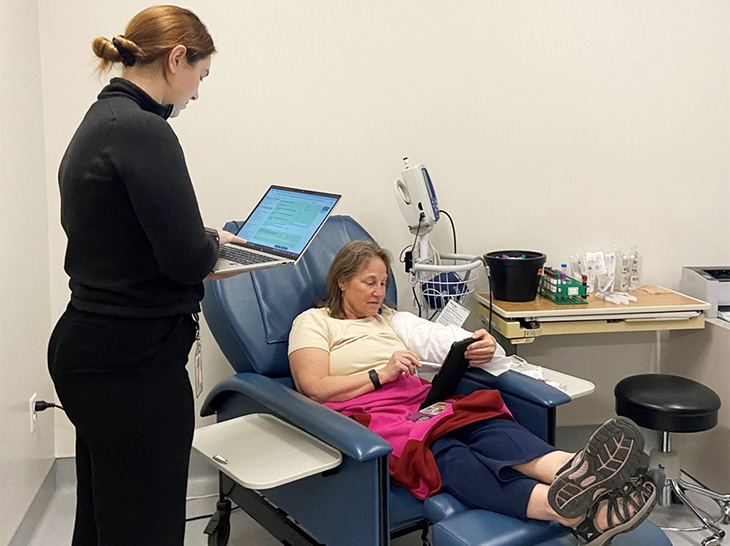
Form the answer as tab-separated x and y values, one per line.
336	430
520	386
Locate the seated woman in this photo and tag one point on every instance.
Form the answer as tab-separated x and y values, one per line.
359	357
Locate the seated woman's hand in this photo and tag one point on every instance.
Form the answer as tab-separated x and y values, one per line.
400	362
482	350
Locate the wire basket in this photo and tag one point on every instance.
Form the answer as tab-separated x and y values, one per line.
435	285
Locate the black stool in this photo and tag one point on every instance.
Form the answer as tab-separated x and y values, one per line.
669	403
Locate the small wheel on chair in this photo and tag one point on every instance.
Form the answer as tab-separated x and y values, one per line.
711	541
219	526
221	535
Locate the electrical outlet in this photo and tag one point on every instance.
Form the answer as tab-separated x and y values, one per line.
33	415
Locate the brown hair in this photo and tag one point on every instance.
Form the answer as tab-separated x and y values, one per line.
348	261
153	33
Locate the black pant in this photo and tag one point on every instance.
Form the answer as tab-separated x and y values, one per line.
124	386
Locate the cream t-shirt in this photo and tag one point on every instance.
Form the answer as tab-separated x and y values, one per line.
354	345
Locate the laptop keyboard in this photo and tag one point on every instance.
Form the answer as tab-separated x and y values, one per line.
243	256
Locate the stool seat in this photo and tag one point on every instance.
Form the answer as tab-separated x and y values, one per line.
668	403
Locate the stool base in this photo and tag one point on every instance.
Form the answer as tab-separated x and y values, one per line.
679	488
668	461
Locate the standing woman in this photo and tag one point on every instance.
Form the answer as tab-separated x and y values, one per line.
137	255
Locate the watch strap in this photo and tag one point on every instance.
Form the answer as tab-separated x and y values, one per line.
375	379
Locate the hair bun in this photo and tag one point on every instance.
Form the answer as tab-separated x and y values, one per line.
104	49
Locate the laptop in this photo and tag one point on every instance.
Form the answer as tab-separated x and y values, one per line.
445	382
278	230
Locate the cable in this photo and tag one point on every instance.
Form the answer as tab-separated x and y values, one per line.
415	299
42	405
413	247
401	256
453	227
418	230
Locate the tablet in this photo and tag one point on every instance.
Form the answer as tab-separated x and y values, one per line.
445	382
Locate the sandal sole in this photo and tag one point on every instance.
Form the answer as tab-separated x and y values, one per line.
614	454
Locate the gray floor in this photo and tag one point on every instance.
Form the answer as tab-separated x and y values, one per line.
53	523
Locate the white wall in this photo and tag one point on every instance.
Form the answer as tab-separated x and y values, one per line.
25	317
705	357
562	126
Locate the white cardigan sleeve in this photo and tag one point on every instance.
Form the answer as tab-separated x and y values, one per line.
431	341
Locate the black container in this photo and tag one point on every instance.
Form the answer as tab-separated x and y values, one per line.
514	273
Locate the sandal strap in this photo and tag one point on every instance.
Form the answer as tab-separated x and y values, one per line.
621	506
632	495
586	531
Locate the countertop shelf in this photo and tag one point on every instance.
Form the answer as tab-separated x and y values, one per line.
522	322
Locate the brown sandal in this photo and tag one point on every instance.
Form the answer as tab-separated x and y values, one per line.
639	496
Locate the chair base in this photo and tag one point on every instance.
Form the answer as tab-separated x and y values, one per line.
677	488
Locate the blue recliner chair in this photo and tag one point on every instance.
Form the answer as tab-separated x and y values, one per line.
353	505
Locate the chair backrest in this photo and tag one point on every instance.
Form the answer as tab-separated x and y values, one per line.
250	315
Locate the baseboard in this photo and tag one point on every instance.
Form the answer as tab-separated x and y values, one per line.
202	480
202	476
60	471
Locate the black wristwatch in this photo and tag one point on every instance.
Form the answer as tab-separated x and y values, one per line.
375	379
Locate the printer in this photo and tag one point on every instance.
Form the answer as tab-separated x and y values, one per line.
710	284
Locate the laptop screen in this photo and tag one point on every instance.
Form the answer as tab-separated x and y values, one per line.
286	220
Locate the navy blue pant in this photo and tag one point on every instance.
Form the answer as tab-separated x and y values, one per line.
124	386
475	465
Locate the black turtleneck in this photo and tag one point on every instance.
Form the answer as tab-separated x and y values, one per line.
136	242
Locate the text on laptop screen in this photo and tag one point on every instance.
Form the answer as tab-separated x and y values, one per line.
286	219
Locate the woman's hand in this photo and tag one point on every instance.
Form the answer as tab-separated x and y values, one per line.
400	362
228	237
223	238
482	350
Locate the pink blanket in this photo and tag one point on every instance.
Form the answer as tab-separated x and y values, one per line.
385	412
